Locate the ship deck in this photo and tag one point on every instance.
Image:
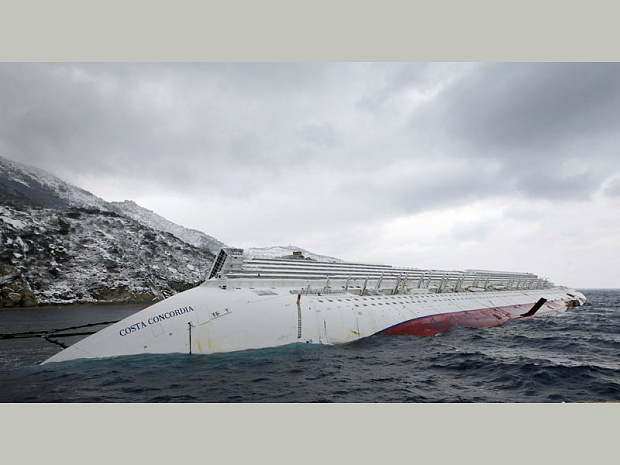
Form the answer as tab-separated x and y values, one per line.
360	278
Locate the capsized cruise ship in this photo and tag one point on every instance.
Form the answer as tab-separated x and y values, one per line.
252	303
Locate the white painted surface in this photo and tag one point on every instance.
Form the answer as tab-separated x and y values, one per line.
240	318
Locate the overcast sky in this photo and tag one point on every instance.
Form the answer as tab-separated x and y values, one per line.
440	165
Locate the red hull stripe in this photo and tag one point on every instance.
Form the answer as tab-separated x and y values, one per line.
435	324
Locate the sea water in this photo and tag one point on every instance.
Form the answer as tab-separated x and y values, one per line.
567	357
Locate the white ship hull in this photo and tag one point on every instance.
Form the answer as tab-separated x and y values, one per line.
250	308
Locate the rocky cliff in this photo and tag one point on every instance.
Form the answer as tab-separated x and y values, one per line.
81	255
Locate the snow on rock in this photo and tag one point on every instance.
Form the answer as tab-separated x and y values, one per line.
88	256
13	222
32	186
29	186
151	219
62	244
286	252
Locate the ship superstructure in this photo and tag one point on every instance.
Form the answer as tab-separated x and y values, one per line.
364	279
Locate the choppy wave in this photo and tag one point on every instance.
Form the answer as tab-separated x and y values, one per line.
568	357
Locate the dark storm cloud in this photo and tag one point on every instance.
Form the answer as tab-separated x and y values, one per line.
207	127
406	188
531	106
400	137
535	120
81	117
124	119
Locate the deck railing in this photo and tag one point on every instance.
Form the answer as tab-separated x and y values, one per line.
360	277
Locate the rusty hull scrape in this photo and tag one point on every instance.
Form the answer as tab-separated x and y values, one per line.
435	324
486	317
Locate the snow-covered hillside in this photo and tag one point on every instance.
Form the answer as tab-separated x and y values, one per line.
151	219
286	252
86	256
27	185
